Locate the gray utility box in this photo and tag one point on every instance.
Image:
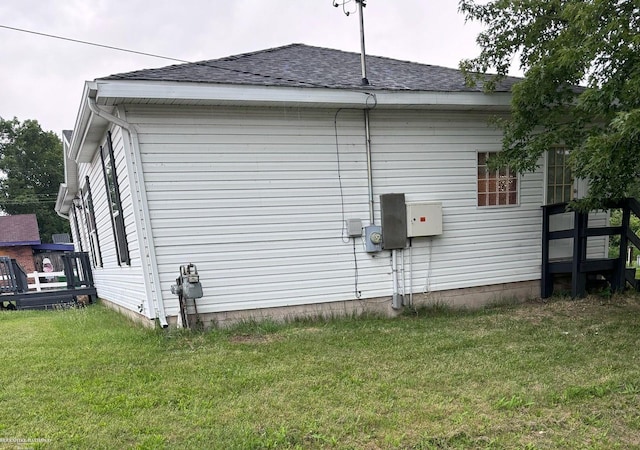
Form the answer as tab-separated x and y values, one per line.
393	214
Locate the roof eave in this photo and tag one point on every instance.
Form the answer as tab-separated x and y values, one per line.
112	92
90	128
20	243
64	199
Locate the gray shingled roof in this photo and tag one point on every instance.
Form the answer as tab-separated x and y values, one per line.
19	229
299	65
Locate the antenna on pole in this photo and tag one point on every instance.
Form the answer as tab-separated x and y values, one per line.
361	4
363	61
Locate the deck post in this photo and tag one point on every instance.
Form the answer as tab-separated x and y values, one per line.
578	277
68	271
546	281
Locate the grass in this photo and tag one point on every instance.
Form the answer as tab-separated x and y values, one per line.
562	374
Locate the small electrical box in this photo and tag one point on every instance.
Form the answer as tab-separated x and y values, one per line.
373	238
424	219
354	227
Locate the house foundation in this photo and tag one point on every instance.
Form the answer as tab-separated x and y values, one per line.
465	298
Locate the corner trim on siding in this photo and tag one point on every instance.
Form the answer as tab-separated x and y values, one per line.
141	213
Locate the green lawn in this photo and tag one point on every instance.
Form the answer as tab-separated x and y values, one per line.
562	374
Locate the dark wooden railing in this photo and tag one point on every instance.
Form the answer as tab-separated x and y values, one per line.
12	278
77	269
579	266
15	293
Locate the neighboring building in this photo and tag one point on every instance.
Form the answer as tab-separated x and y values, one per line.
18	235
254	166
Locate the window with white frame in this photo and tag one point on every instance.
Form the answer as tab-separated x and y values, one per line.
90	222
496	187
114	202
77	205
560	181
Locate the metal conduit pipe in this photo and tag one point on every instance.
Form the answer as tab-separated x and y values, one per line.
135	145
410	273
396	302
367	131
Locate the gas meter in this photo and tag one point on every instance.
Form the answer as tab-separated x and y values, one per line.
187	287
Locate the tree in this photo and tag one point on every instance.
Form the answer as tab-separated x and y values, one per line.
31	170
615	220
581	89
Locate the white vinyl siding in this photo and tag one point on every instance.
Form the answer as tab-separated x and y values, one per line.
433	157
598	247
124	285
251	196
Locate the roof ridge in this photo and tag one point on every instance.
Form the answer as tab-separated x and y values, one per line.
256	52
210	63
298	44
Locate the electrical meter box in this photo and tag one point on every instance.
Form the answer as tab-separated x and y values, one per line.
424	219
373	238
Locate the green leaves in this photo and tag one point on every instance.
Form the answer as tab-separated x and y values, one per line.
32	167
559	45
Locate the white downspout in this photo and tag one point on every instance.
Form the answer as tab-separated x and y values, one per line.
147	244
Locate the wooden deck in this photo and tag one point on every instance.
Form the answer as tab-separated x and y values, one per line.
15	294
613	270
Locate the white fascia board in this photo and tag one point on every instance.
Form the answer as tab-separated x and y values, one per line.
445	100
68	189
110	91
204	93
63	200
83	121
89	129
71	176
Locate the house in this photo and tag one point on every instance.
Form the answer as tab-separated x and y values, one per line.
18	235
266	170
20	240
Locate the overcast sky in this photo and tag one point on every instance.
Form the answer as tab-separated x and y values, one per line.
42	78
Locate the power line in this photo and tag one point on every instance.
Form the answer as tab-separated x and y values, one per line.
79	41
27	202
169	58
120	49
